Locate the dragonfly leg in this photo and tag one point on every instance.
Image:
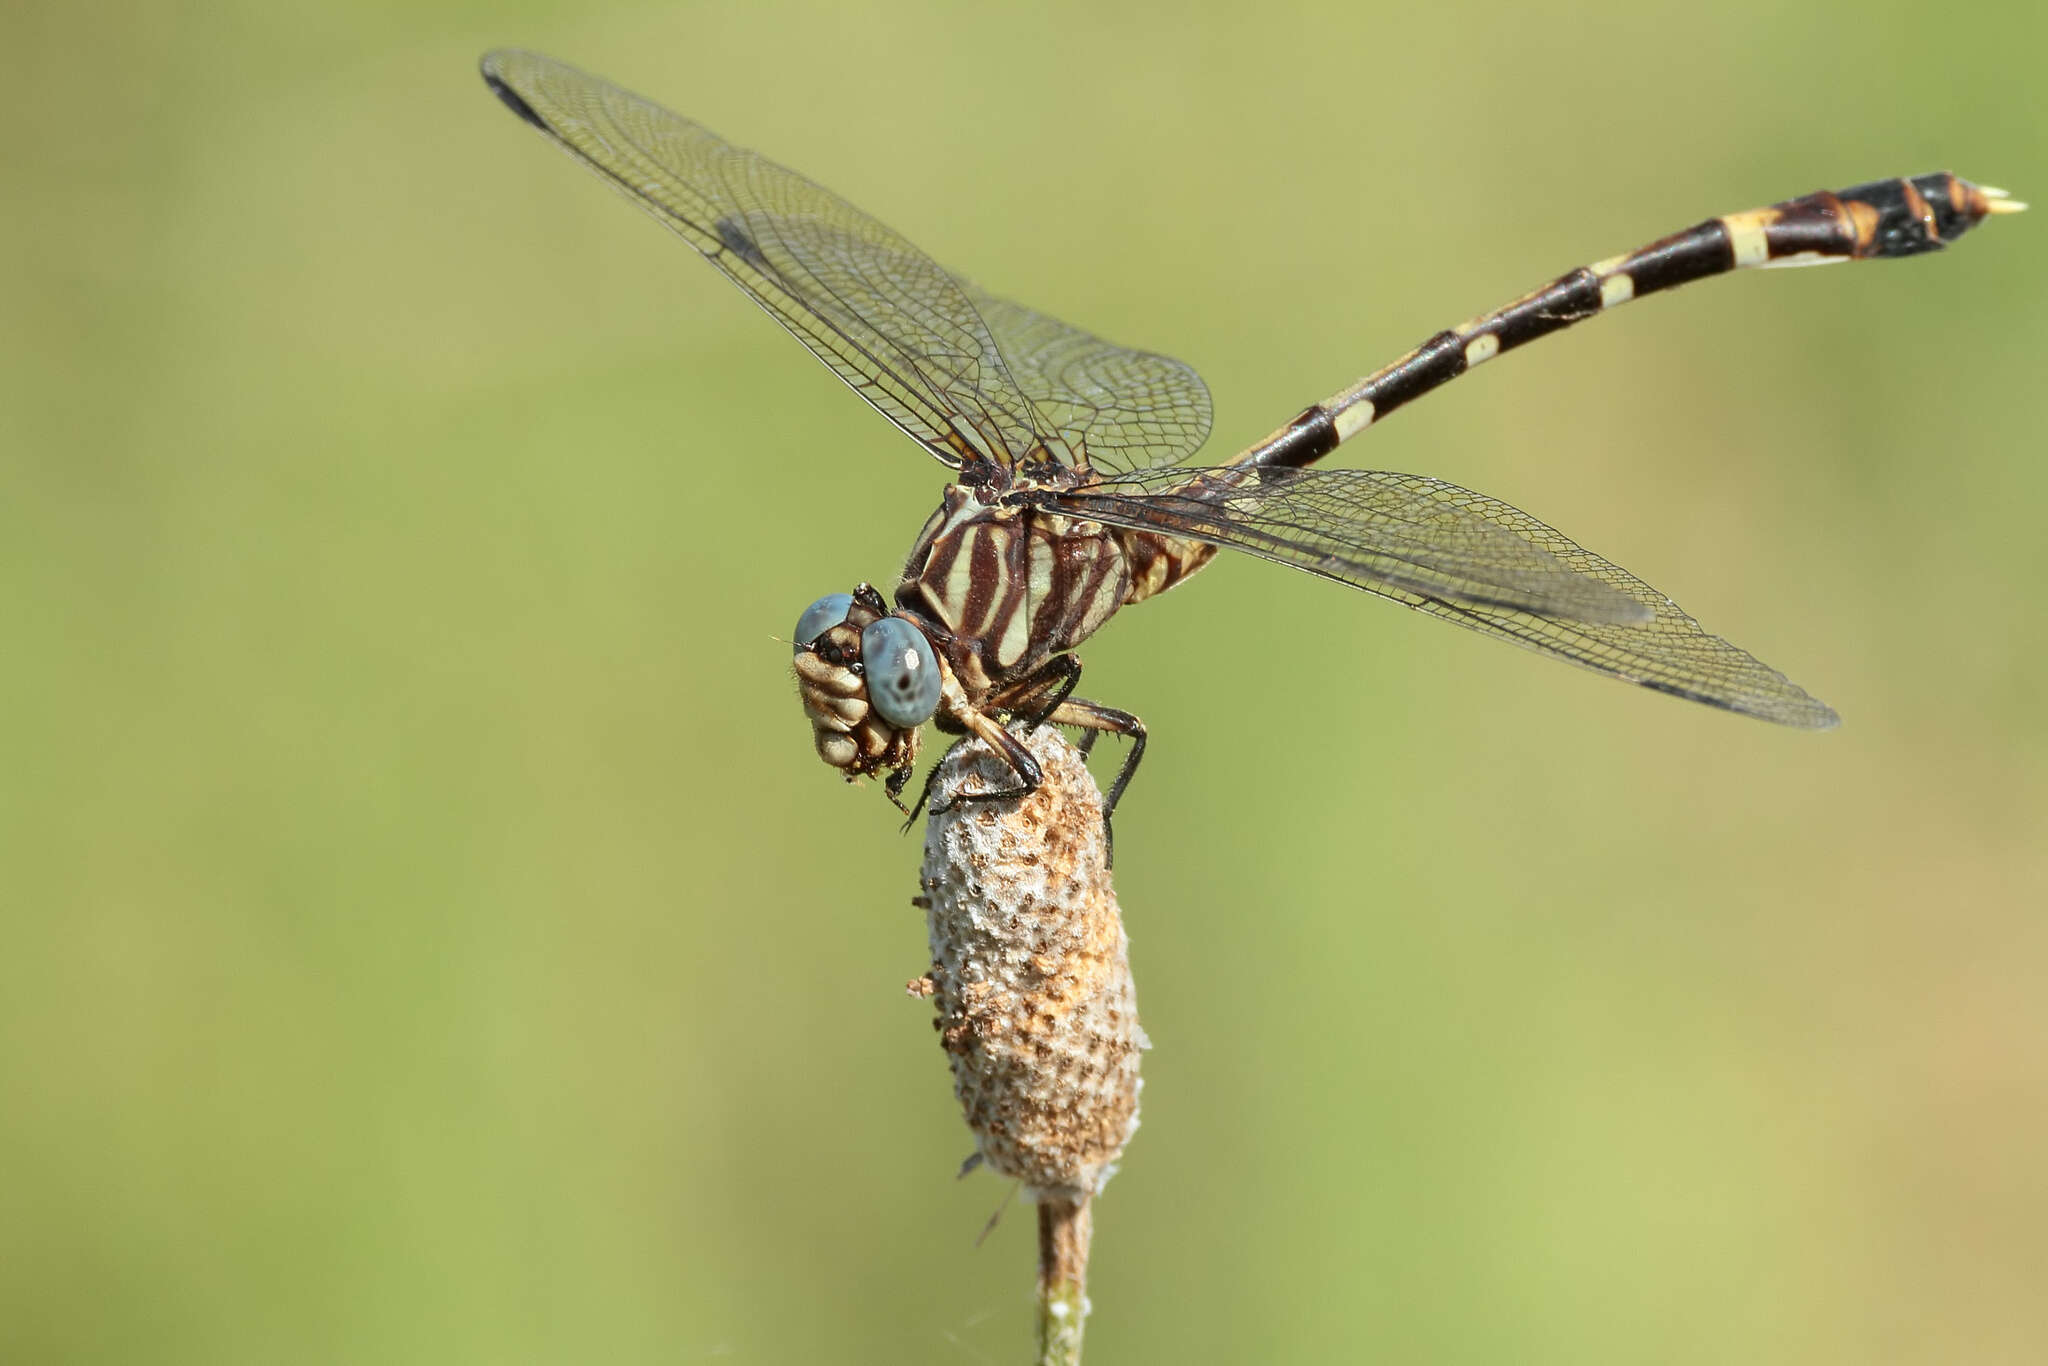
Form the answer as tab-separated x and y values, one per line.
1092	719
1021	761
1043	691
924	795
1046	694
892	788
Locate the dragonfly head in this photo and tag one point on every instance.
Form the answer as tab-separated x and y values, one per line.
869	681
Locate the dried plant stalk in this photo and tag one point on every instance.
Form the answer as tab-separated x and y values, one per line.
1064	1228
1036	1011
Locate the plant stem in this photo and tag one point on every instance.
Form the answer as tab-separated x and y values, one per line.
1064	1227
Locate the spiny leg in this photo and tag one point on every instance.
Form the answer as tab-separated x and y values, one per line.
1883	219
892	788
1092	718
1021	761
1044	692
1036	697
924	793
1041	692
1047	695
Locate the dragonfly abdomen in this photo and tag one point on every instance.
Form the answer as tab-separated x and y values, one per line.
1160	562
1876	221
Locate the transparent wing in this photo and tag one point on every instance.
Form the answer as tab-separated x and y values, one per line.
1461	556
1122	411
963	373
887	319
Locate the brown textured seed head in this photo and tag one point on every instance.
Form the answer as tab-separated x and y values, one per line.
1031	970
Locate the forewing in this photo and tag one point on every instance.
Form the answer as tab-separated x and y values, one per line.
1461	556
887	318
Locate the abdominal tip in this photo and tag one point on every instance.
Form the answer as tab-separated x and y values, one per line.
2000	201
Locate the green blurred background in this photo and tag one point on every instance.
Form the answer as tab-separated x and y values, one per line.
428	936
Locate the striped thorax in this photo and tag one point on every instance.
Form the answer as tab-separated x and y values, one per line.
1003	585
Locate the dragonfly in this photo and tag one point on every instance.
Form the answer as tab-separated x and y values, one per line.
1073	491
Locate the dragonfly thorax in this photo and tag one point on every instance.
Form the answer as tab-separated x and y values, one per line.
1002	587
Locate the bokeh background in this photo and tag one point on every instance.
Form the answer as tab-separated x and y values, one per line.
428	936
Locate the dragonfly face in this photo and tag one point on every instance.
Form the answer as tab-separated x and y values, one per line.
1074	490
869	681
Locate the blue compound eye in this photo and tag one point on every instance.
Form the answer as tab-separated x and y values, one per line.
903	677
820	617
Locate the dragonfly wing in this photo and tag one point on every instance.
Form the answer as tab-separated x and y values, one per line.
1461	556
1120	410
888	320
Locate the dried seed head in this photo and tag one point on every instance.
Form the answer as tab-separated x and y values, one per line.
1030	969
